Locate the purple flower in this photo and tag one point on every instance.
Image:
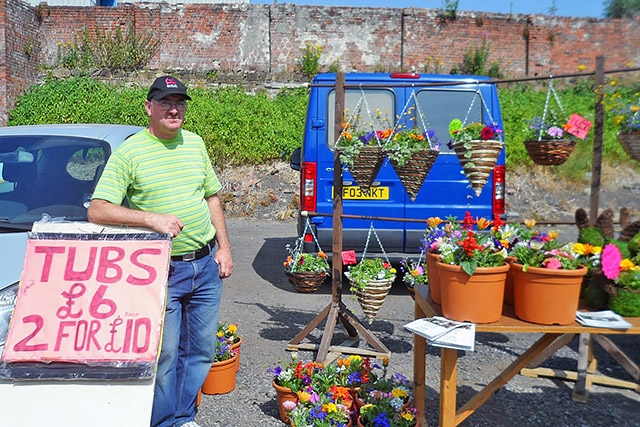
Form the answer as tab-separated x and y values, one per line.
367	137
555	132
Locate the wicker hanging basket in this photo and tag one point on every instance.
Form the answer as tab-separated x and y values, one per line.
631	144
478	166
415	170
306	282
372	297
366	166
550	152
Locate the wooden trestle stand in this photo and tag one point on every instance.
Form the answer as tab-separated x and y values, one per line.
336	310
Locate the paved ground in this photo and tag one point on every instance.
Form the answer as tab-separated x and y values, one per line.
270	313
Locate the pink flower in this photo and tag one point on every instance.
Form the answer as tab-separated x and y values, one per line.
552	264
611	258
289	405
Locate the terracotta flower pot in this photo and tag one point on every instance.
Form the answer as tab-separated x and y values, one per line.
236	348
283	394
478	298
546	296
221	378
434	277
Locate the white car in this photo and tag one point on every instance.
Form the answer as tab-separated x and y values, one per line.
47	170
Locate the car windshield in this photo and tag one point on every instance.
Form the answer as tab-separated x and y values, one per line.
47	175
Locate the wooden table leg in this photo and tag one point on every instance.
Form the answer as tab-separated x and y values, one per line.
580	393
448	386
419	372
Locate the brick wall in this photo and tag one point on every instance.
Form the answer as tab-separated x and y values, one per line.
244	38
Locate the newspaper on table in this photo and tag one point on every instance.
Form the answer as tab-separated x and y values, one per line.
602	319
442	332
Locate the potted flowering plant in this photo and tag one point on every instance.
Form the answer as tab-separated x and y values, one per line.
222	373
354	371
473	273
477	147
437	234
415	272
625	273
319	410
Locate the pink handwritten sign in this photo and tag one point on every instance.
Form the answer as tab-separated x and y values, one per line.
349	257
89	300
578	126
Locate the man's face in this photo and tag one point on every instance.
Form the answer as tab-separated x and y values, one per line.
166	115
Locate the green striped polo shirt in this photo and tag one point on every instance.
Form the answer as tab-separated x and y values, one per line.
172	177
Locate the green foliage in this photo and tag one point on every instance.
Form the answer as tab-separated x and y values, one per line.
592	236
621	8
309	65
111	50
626	303
475	60
237	128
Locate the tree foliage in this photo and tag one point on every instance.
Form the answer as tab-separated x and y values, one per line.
618	9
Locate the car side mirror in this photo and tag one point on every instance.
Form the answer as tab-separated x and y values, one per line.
294	161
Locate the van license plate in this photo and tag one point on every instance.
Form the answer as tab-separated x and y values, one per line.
374	193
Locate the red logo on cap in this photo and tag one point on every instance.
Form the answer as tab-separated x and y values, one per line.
169	82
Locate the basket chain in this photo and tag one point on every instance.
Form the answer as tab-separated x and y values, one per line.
550	91
366	245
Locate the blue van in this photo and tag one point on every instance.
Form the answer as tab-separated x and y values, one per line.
446	190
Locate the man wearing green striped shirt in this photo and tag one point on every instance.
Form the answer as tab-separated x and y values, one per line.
165	174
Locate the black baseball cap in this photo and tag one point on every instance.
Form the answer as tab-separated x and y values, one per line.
165	86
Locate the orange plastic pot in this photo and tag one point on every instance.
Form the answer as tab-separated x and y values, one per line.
546	296
221	378
236	348
434	277
477	298
283	394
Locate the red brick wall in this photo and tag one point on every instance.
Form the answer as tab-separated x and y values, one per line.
240	38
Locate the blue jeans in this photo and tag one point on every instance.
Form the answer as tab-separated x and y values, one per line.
188	340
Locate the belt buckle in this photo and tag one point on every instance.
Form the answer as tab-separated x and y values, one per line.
191	256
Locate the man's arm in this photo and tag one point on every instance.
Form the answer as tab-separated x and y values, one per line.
223	254
103	212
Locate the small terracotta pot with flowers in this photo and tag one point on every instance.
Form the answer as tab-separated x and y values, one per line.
477	147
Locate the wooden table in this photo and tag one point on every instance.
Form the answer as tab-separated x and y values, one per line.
554	336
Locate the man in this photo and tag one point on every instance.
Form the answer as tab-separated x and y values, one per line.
167	178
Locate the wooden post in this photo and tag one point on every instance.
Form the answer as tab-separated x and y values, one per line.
596	167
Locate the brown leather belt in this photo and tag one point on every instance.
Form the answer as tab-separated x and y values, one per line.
200	253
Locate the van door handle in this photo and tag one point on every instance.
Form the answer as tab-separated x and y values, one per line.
317	124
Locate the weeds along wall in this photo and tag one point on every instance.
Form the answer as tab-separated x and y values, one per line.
267	40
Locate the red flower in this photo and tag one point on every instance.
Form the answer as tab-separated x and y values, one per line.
487	133
497	222
467	222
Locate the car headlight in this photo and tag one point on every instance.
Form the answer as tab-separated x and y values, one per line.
7	302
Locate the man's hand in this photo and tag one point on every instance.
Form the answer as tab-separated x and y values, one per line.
225	262
165	223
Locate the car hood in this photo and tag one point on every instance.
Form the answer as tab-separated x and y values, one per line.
13	247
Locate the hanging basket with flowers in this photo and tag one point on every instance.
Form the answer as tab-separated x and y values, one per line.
477	147
411	150
306	271
628	119
371	279
547	142
360	146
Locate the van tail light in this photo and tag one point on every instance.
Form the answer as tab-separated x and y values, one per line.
499	173
308	181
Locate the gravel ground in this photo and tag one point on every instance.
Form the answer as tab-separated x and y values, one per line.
270	313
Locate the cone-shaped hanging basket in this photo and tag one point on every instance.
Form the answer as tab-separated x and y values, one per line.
366	166
631	144
478	167
372	297
549	152
415	170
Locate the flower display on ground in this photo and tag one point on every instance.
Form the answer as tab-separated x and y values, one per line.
354	371
296	375
369	269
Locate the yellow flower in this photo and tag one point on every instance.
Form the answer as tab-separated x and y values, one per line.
612	82
582	67
407	416
303	396
434	221
354	358
220	334
626	264
553	235
483	223
392	270
232	329
330	407
399	392
530	223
